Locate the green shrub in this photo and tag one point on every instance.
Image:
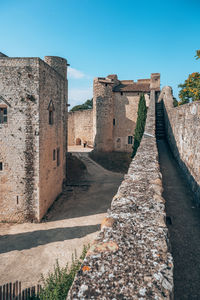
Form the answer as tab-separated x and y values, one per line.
140	125
58	283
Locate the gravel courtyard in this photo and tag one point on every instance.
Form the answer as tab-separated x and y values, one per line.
27	250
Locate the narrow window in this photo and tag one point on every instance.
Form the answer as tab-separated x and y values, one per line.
106	84
51	112
50	117
58	157
3	115
1	166
114	122
130	139
122	93
17	199
54	154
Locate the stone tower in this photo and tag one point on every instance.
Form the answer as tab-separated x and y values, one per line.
115	105
33	135
103	112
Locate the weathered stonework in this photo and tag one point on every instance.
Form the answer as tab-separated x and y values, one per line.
182	125
115	105
80	127
30	180
130	258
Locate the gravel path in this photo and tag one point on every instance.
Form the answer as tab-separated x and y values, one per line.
27	250
184	228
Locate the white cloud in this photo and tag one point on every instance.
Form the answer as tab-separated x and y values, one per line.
75	74
79	96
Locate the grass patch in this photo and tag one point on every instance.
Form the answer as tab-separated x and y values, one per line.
112	161
57	284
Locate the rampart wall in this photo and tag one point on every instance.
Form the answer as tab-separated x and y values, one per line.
80	127
183	132
130	257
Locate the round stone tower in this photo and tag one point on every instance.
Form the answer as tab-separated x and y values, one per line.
57	63
103	112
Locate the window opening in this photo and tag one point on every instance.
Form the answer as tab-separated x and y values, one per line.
58	157
1	166
54	154
3	115
130	139
51	117
51	112
114	122
78	141
121	93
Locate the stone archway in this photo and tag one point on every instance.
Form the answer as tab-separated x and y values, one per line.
78	141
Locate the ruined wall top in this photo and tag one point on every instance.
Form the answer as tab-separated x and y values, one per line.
167	95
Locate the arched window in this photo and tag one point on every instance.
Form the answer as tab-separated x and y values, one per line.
3	114
51	112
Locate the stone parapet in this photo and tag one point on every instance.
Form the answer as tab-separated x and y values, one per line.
130	257
182	125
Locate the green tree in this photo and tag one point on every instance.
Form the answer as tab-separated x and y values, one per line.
190	89
140	124
86	105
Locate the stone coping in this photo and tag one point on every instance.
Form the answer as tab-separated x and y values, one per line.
130	257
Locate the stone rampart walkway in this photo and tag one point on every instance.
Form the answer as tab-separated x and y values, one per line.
184	228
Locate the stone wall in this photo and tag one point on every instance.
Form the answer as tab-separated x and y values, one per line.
183	132
30	179
125	116
130	258
80	127
19	145
52	141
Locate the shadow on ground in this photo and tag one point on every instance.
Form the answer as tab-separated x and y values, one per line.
19	242
184	228
85	195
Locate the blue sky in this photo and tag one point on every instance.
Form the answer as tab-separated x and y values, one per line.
125	37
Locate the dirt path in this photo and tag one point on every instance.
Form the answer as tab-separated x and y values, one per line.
27	250
184	228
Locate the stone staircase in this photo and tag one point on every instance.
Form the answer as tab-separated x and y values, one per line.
160	123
